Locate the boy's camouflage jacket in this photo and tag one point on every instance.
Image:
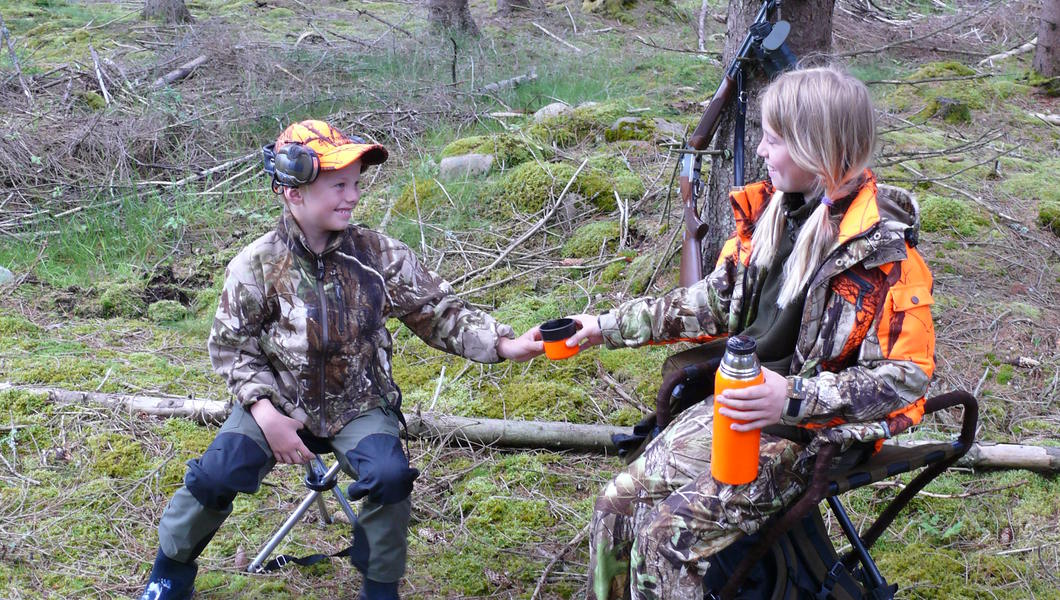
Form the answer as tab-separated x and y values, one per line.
309	332
866	346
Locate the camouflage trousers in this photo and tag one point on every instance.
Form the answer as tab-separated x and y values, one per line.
656	525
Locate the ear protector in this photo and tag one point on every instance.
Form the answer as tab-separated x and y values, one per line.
293	165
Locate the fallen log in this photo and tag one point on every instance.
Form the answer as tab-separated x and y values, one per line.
549	435
180	72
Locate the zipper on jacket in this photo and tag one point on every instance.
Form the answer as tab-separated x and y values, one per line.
324	342
864	287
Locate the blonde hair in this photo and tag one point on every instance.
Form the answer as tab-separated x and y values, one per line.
825	117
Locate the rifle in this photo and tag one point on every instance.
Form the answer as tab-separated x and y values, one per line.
766	46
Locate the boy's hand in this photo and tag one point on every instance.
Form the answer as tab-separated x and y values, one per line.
522	348
281	432
759	405
588	330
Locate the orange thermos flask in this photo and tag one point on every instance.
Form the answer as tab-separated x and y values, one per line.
734	454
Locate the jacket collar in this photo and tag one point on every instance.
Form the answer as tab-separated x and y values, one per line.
289	230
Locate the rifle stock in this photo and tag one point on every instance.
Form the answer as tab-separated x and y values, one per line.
708	124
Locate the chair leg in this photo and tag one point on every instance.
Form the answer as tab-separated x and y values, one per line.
289	524
872	572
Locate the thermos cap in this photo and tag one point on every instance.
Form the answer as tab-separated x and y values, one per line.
741	344
557	329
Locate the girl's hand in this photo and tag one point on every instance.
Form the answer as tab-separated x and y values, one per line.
522	348
281	432
588	330
759	405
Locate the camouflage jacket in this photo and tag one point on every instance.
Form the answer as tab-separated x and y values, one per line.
309	333
865	351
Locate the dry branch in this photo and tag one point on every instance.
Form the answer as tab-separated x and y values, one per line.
1018	50
14	58
522	434
556	37
509	83
99	74
180	72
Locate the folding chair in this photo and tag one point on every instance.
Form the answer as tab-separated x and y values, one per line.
317	480
794	545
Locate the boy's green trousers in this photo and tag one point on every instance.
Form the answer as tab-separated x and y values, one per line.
239	458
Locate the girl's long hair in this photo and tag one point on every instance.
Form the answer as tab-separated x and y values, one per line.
825	117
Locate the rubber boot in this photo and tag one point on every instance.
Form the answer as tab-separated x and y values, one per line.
374	590
170	580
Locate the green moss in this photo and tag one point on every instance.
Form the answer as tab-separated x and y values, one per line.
1034	180
282	13
122	300
631	128
1049	216
949	110
580	124
530	186
591	239
1005	374
423	191
116	455
508	149
21	405
941	69
92	99
622	180
949	214
535	399
639	273
166	310
17	326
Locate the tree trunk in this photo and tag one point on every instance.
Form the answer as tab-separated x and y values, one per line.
811	34
169	11
451	15
1047	56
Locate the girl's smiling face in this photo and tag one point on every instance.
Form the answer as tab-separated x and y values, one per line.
783	172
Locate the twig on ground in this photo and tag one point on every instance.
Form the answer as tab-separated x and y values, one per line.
617	387
201	174
99	74
509	83
14	59
1013	52
557	38
577	539
180	72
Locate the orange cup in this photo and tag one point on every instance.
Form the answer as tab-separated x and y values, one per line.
555	333
734	454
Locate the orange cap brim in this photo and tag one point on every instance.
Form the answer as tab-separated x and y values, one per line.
344	156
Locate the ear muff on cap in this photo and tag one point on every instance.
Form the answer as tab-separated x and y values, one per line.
296	164
292	165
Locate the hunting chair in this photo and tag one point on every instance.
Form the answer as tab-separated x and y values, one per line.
318	480
792	556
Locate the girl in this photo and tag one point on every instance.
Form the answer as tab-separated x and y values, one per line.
823	273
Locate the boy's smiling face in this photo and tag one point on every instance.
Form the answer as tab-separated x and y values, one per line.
325	205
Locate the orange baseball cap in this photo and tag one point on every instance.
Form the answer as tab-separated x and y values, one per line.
335	149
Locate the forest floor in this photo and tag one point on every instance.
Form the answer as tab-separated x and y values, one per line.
121	201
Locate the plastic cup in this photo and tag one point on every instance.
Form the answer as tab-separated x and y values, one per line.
555	333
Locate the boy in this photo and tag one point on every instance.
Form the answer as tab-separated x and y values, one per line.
300	337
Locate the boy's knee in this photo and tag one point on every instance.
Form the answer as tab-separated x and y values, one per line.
383	472
231	464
